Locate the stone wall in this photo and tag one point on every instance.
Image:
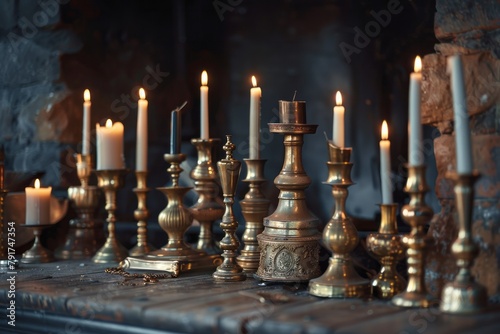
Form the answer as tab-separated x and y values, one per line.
470	28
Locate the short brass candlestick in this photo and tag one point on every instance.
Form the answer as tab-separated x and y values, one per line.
208	208
141	214
417	214
340	236
289	245
109	181
81	238
254	208
464	294
387	247
37	253
176	256
229	171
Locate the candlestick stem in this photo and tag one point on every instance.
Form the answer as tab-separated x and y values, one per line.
141	214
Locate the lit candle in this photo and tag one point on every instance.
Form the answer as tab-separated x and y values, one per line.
385	165
141	149
416	157
204	106
255	95
110	146
338	121
86	123
462	133
38	204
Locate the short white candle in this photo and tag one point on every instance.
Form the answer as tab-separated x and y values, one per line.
338	121
416	156
38	204
110	146
141	149
255	95
204	106
462	133
86	123
385	165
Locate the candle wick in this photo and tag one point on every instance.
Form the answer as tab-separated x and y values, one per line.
326	136
293	99
182	106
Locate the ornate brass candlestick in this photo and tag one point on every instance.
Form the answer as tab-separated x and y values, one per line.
37	253
417	214
340	237
464	294
141	214
176	256
207	209
289	247
110	181
387	247
229	171
254	207
81	239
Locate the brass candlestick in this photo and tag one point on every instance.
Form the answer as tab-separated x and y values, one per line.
141	214
464	294
289	245
340	237
208	208
110	181
387	247
176	256
81	239
417	214
37	253
229	171
254	208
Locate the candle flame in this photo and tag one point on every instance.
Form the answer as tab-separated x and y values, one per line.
86	95
109	123
204	78
37	183
142	94
385	131
418	64
338	98
254	81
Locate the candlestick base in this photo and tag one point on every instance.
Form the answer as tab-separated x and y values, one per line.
37	253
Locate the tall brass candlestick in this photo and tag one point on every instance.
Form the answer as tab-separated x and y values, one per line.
340	236
81	238
141	214
254	208
229	171
417	214
464	294
289	245
208	208
387	247
110	181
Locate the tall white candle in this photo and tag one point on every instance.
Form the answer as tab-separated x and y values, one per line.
204	106
255	95
385	165
110	146
141	149
416	155
462	132
38	204
338	121
86	123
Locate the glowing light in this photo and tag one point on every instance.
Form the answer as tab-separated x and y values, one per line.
204	78
338	98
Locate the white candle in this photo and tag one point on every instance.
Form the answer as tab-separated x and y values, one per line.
110	146
141	149
416	156
86	123
338	121
385	165
255	95
204	106
38	204
462	133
